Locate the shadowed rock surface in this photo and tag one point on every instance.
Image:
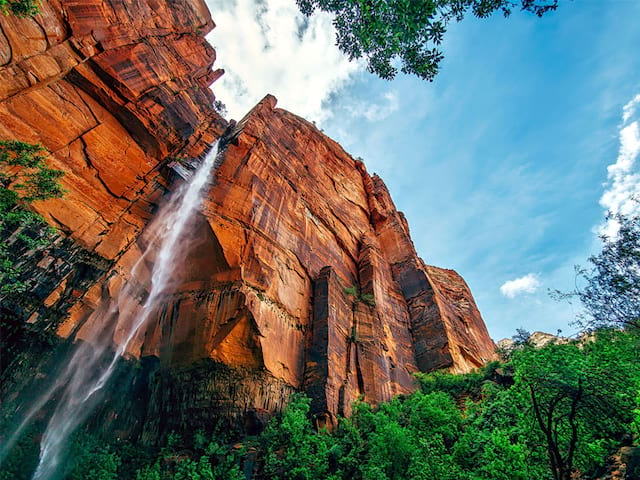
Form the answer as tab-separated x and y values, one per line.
304	276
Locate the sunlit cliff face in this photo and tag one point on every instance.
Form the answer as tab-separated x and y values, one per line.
269	296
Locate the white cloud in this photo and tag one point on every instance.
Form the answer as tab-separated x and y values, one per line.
374	112
267	46
630	109
623	186
527	284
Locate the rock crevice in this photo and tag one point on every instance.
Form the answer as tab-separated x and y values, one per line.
304	275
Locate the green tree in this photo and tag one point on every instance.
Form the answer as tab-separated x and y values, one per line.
611	295
204	459
91	458
580	397
458	386
24	178
411	31
23	458
292	449
497	441
149	472
407	437
636	417
359	297
32	180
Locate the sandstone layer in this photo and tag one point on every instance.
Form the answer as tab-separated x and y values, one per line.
303	276
306	272
111	89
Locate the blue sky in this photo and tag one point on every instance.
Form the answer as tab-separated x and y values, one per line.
500	164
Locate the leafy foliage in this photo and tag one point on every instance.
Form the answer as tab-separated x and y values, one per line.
567	409
204	458
293	451
24	456
411	31
93	459
24	178
468	427
34	181
20	8
458	386
359	297
580	397
611	296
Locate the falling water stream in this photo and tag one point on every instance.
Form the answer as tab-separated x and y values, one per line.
93	361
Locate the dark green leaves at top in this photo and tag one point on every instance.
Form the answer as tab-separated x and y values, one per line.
406	34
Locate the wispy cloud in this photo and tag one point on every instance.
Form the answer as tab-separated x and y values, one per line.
267	46
527	284
374	112
623	185
630	109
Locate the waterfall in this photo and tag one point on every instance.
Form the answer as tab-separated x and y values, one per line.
93	361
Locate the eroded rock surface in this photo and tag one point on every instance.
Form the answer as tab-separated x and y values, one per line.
111	89
304	276
311	276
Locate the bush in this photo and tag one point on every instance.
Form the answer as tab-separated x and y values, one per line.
19	8
24	178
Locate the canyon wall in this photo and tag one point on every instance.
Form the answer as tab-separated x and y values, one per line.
304	276
111	89
328	291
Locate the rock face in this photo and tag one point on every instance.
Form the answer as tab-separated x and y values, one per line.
537	339
110	88
304	276
316	280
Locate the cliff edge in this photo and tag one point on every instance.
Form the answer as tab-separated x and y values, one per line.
304	276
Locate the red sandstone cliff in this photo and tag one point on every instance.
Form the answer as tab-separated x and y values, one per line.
296	221
113	89
110	88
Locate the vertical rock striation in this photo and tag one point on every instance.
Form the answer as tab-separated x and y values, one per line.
312	279
304	276
111	89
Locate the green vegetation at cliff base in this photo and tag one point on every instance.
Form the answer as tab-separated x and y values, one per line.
557	412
